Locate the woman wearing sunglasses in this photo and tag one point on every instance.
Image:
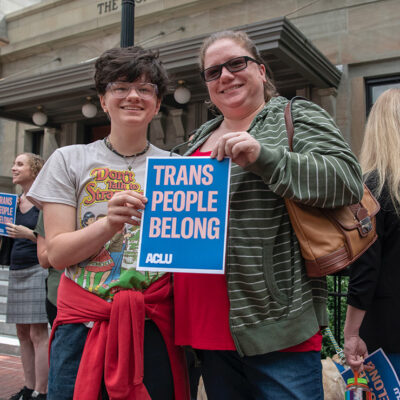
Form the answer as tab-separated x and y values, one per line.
256	329
113	335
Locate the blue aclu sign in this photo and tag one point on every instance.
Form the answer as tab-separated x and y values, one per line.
184	223
8	208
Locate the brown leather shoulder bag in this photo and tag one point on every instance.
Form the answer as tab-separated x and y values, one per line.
331	239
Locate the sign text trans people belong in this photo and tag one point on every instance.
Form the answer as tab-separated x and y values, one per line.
184	224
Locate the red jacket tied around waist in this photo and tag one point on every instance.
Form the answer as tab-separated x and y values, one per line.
114	346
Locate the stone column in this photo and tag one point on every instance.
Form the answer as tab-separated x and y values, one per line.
49	142
157	131
326	98
68	134
304	92
358	116
178	135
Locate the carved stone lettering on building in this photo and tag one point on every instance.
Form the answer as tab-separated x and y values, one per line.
105	7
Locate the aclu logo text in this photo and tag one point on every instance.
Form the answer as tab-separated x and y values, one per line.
158	258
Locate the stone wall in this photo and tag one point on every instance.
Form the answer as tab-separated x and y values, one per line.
361	36
346	31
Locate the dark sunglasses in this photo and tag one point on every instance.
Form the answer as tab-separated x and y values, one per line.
233	65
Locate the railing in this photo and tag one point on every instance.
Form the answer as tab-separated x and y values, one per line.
337	304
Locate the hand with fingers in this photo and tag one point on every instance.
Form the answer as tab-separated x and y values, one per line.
125	208
18	231
355	351
240	146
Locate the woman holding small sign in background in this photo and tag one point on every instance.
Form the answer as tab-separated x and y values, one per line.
26	286
373	294
257	328
114	323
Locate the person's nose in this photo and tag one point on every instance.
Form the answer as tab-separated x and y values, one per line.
133	94
226	74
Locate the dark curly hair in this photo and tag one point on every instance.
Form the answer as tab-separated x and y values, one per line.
242	39
129	64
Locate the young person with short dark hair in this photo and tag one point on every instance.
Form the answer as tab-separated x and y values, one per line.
111	318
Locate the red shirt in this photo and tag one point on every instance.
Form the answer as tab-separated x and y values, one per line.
202	311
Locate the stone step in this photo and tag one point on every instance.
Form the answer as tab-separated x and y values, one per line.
3	273
9	345
3	288
7	329
3	305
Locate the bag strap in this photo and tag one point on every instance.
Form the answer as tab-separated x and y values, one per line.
289	120
338	349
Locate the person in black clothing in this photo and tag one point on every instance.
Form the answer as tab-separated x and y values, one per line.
26	288
374	286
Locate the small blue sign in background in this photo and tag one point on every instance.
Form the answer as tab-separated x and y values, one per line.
184	223
8	209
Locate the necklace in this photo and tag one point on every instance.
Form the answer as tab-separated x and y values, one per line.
129	165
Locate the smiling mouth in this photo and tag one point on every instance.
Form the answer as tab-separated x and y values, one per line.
130	108
231	88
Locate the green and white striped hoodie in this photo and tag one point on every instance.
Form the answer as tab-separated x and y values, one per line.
273	304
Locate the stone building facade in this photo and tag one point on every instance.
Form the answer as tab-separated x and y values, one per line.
340	54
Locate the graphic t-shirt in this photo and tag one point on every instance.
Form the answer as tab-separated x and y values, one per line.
86	177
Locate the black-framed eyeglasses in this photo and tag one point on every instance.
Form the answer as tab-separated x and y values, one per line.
233	65
145	90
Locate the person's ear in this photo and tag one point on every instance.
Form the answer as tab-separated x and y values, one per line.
158	105
263	72
103	102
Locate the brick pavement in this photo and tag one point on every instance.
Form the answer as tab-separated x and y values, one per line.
11	375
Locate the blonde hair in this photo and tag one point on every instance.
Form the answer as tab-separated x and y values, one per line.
243	40
35	162
381	146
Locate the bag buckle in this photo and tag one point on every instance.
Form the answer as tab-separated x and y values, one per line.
365	226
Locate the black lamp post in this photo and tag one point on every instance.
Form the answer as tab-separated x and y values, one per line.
127	23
